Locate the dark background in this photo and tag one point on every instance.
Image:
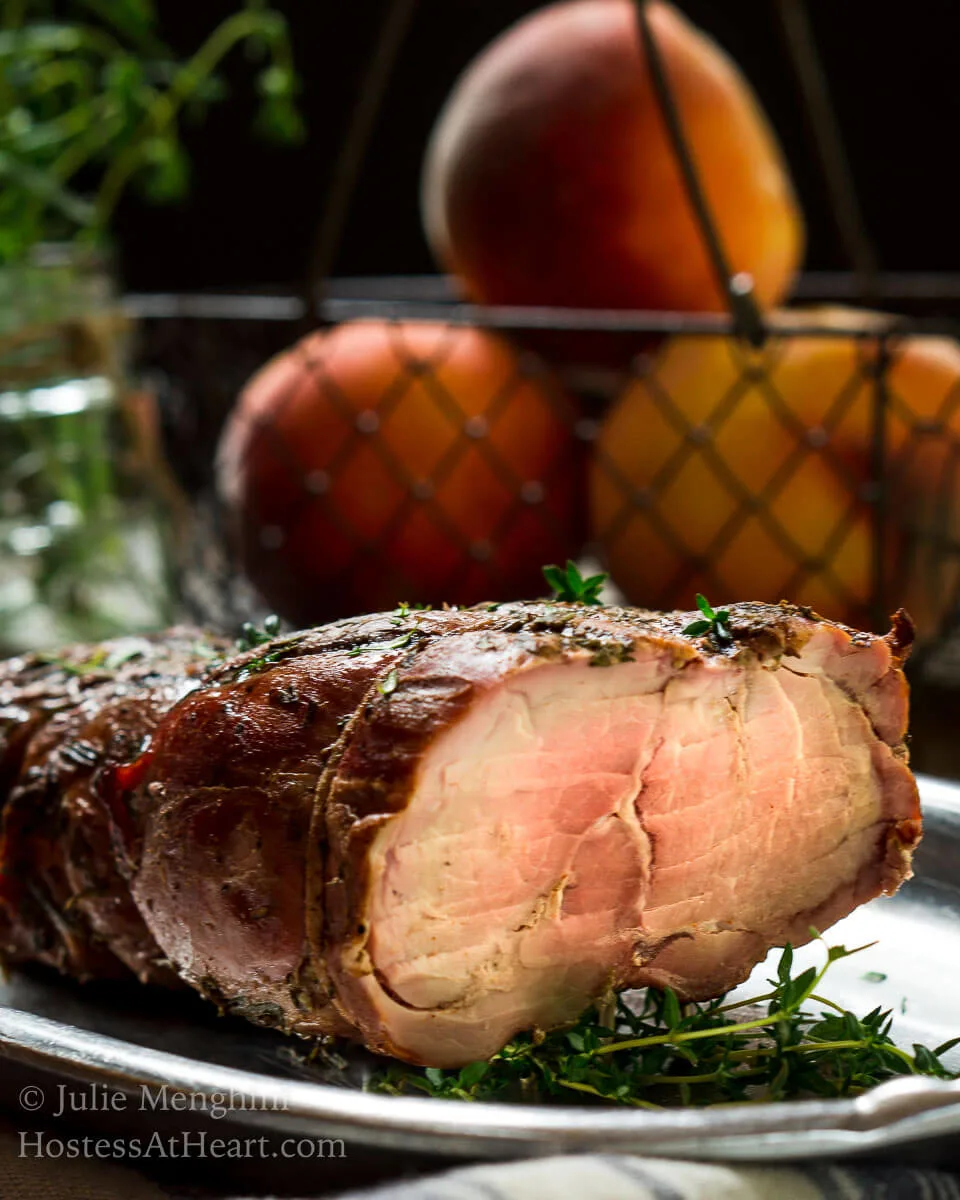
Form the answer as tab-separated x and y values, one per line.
253	209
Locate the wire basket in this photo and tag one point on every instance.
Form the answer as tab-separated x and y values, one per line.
797	470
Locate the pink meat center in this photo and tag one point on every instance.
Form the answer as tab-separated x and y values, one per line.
578	817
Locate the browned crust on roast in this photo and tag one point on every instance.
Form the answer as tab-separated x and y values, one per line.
65	720
226	874
902	635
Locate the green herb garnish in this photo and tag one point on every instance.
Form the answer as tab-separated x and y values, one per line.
717	624
251	637
78	667
662	1052
204	650
405	609
125	650
396	643
399	616
570	585
386	687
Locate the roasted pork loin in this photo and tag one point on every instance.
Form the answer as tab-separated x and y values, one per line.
430	830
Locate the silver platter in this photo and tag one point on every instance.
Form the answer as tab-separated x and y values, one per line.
128	1039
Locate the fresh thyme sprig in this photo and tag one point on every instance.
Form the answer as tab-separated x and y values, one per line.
405	610
399	617
568	584
251	637
387	686
396	643
717	624
661	1052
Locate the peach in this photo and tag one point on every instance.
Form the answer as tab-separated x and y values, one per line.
379	462
748	473
550	180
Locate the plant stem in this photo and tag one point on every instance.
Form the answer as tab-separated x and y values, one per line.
592	1091
676	1039
234	29
852	1044
752	1002
827	1003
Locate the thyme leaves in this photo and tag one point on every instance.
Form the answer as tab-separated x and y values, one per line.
716	624
658	1052
568	584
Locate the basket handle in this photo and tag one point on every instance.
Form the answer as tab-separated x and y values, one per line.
353	149
738	289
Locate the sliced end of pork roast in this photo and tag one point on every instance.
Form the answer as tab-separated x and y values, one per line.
573	800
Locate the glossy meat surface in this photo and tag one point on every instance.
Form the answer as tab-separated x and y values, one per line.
65	721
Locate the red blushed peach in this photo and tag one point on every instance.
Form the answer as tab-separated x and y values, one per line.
550	179
384	461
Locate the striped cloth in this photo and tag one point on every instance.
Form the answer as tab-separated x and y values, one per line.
623	1177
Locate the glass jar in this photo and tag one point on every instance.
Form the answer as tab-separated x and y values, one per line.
83	551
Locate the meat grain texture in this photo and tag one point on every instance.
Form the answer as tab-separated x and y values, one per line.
428	831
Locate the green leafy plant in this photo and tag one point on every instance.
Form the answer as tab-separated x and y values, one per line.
568	584
660	1052
716	624
92	99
